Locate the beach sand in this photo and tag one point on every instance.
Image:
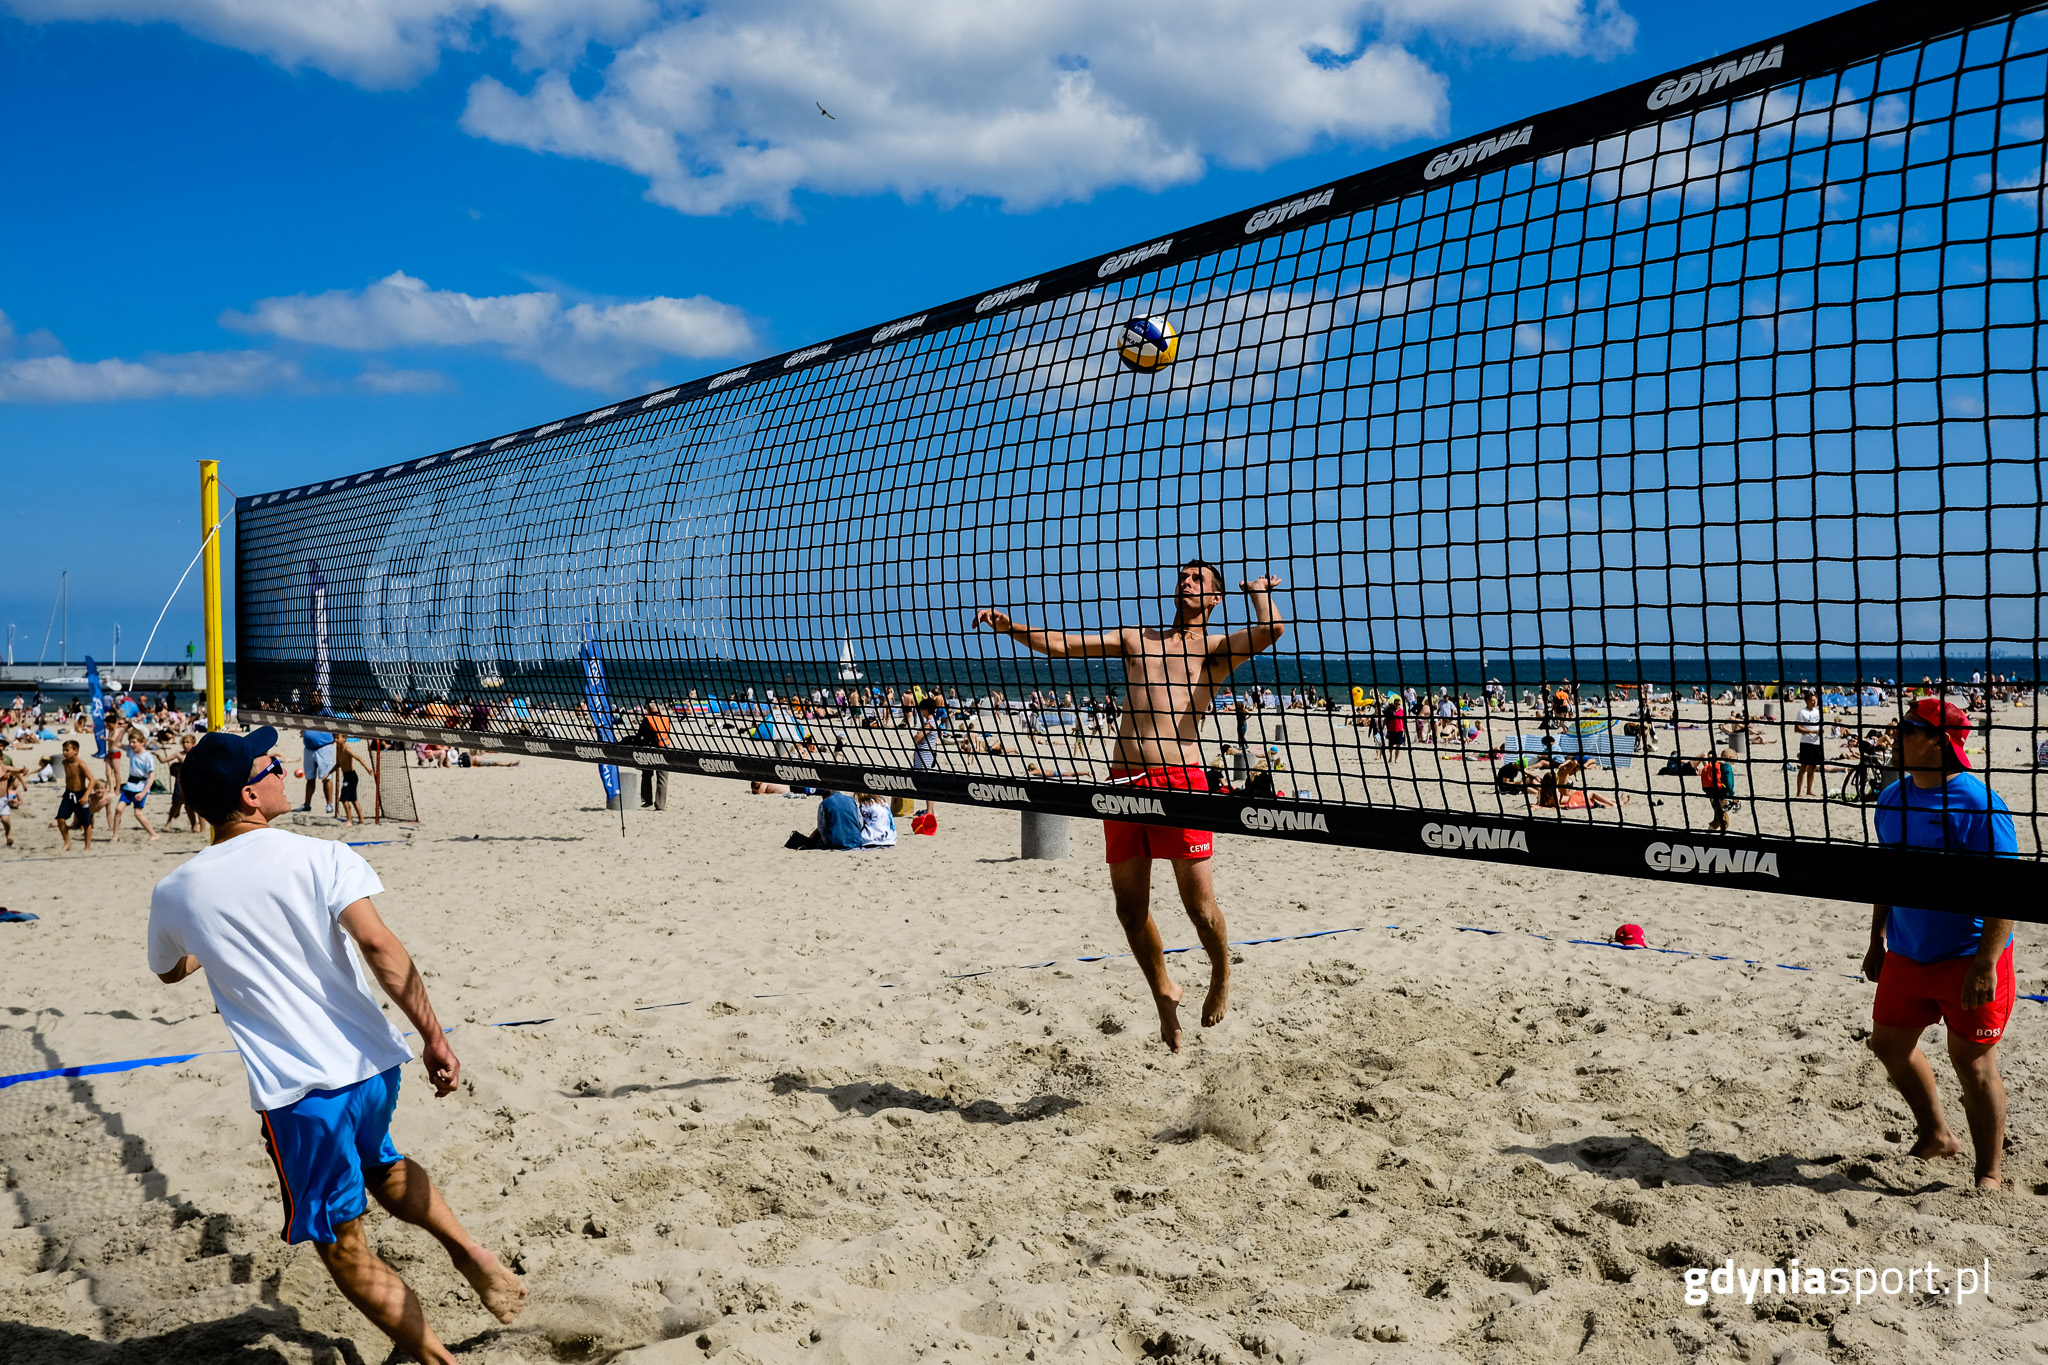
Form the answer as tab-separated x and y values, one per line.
875	1107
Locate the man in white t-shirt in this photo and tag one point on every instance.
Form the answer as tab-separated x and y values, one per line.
1812	745
283	927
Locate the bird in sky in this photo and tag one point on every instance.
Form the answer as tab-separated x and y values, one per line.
826	112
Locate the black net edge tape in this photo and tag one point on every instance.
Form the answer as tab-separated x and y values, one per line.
1826	45
1792	867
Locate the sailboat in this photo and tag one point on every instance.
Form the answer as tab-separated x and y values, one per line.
847	672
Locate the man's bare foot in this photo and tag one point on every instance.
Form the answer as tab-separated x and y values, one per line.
1218	1002
1937	1144
1169	1017
1989	1183
503	1292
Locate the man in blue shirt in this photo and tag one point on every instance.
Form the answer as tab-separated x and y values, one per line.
1931	965
839	825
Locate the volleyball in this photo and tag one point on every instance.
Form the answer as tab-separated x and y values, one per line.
1147	344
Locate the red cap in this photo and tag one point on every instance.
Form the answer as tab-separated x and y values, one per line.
1631	936
1948	719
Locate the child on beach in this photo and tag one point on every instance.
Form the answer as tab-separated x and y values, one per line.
347	809
135	790
79	793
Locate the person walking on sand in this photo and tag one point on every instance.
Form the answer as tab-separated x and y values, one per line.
270	916
1171	673
1931	965
134	792
78	796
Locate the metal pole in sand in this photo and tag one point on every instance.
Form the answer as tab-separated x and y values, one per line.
216	671
1044	836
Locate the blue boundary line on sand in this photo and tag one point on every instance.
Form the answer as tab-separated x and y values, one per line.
137	1064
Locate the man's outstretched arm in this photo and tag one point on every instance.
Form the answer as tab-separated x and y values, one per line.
1260	636
1058	644
393	967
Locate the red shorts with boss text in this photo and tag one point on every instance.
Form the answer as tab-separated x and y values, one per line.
1914	994
1122	841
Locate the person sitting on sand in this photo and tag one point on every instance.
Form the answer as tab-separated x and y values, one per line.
1930	965
840	827
269	916
877	826
1556	791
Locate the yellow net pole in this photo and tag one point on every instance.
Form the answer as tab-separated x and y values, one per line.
209	519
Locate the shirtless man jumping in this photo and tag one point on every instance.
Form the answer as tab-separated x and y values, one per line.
1171	673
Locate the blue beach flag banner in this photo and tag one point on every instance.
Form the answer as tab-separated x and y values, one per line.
600	703
99	706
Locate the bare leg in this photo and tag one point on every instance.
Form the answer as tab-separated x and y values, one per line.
1131	881
1899	1050
379	1294
1198	895
1984	1105
143	821
407	1193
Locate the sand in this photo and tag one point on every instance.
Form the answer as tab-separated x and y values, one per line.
875	1108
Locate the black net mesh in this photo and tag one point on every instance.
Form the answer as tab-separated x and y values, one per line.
1594	443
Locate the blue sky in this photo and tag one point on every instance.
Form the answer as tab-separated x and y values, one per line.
341	234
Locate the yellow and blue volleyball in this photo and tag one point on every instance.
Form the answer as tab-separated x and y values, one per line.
1147	344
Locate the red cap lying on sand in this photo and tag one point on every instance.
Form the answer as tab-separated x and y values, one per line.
1631	936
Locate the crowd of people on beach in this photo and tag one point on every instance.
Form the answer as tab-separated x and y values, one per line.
146	740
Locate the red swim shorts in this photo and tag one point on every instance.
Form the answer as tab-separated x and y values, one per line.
1122	841
1914	994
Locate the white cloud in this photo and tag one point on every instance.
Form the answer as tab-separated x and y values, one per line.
714	103
376	43
381	379
57	378
592	345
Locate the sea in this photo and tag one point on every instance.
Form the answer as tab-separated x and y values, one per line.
629	681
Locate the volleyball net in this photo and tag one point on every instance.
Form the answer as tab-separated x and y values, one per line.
1582	451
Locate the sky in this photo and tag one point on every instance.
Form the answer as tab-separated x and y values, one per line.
315	238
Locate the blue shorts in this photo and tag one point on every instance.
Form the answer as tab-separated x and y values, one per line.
135	799
322	1145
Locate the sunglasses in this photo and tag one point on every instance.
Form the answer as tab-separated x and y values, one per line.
275	769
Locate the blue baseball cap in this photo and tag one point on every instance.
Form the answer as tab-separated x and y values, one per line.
217	768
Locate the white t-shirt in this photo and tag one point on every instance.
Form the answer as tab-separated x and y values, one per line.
262	914
877	826
140	768
1809	726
